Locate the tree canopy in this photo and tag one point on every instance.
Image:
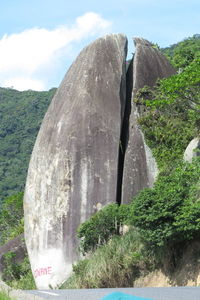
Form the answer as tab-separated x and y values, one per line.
21	114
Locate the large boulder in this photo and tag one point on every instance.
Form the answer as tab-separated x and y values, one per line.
74	165
140	169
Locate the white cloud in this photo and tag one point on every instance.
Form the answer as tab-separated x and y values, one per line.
23	55
21	84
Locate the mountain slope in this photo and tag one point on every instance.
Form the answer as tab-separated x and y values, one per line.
21	114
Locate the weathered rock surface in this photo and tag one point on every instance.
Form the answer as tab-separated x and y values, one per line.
16	246
192	150
140	168
74	164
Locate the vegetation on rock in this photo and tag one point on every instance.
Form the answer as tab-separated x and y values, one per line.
170	116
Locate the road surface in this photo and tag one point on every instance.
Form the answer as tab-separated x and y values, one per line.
167	293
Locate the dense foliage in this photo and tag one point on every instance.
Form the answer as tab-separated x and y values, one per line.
183	53
17	275
21	114
170	116
169	213
101	227
11	217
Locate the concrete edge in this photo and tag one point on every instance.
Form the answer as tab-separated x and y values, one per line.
17	294
4	287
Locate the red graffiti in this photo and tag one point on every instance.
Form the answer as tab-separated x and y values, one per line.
42	271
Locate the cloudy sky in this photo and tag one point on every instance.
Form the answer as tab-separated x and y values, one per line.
39	39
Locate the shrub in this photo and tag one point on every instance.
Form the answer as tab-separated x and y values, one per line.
17	275
101	227
169	213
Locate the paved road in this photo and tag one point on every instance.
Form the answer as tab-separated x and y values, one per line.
168	293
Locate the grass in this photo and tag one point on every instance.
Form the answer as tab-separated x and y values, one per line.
25	282
18	276
116	264
4	296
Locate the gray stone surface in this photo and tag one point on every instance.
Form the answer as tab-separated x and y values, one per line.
17	246
149	65
74	164
192	150
140	168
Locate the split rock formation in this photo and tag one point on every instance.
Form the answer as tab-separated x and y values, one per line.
89	151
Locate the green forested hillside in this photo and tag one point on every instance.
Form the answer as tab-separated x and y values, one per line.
184	52
21	114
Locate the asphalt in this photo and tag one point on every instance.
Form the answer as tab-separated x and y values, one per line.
166	293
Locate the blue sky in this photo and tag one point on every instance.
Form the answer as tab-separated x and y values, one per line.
39	39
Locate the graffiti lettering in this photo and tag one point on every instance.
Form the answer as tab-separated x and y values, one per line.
42	271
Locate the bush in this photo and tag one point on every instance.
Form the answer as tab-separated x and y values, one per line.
101	227
169	213
17	275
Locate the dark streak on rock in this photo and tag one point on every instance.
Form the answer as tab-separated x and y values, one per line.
124	130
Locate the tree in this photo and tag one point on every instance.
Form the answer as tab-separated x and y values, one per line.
169	213
170	114
11	217
101	227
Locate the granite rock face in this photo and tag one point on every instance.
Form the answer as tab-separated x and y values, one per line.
149	65
140	169
192	150
74	165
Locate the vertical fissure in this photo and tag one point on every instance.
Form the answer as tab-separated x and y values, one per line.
124	136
